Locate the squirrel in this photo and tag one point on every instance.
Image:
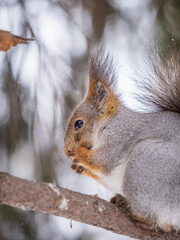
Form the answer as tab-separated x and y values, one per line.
134	154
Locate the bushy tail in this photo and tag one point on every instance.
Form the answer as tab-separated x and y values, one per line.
161	85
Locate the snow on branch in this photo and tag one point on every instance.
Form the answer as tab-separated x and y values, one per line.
48	198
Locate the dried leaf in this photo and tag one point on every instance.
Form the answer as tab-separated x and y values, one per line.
8	40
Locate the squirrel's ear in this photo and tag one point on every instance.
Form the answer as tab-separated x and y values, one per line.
102	98
98	94
101	79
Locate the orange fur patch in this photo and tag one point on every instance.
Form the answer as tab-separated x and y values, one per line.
111	105
91	174
84	158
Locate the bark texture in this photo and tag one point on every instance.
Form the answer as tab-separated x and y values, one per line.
45	197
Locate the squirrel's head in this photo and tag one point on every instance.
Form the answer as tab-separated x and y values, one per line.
99	106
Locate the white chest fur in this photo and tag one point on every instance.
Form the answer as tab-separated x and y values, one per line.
114	181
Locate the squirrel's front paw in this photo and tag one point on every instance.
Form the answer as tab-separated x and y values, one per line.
77	168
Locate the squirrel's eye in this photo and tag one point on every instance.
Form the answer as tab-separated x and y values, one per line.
78	124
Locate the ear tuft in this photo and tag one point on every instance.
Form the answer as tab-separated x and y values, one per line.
102	92
98	97
102	69
102	80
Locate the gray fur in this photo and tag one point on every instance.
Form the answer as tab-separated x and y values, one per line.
150	143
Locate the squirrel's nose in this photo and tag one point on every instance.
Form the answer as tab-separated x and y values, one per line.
70	154
67	148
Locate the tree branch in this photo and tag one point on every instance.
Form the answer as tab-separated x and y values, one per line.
8	40
45	197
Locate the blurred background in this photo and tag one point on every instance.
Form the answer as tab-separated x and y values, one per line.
41	83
